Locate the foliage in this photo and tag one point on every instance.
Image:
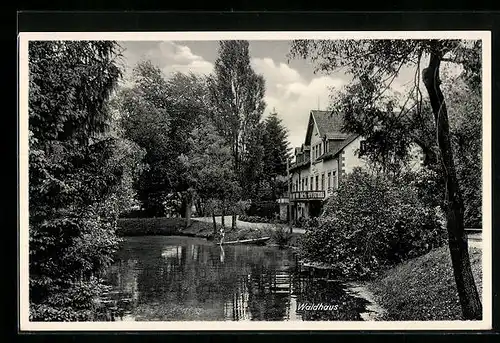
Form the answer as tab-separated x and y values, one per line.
158	114
281	236
209	169
466	131
80	175
236	94
265	209
276	152
71	303
359	236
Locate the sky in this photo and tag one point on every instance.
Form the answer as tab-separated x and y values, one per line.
292	87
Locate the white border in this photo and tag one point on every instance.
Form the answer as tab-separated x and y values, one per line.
26	325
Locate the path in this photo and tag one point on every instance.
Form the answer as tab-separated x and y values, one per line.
242	224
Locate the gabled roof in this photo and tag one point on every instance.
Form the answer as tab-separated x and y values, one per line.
328	123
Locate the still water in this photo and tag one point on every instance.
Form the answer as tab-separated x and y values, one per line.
159	278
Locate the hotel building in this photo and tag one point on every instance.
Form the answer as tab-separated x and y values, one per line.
326	156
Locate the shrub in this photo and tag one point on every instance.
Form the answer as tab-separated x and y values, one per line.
371	223
281	236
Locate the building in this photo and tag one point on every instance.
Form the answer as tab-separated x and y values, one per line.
326	156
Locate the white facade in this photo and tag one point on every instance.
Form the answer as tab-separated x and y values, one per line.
323	160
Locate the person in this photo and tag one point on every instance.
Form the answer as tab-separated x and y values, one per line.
221	235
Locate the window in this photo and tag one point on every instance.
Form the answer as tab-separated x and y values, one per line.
312	182
302	185
323	181
362	148
329	181
305	184
317	178
334	180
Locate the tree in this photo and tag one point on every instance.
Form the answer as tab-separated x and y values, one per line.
374	64
143	111
78	174
276	151
209	169
237	93
159	114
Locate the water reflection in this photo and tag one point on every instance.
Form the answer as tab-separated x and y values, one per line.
179	278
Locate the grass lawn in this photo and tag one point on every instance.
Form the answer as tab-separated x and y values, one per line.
423	288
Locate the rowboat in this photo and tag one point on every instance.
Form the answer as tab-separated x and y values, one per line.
257	241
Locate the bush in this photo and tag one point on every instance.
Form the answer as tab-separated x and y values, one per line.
281	236
371	223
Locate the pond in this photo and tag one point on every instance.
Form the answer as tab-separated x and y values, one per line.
158	278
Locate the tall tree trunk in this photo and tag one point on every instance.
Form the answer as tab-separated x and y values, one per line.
189	208
457	239
182	209
233	222
200	211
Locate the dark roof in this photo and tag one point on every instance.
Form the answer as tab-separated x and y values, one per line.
329	123
339	147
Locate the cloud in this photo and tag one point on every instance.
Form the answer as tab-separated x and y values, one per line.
292	96
275	73
168	56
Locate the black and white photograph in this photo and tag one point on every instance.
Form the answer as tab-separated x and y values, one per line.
255	180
